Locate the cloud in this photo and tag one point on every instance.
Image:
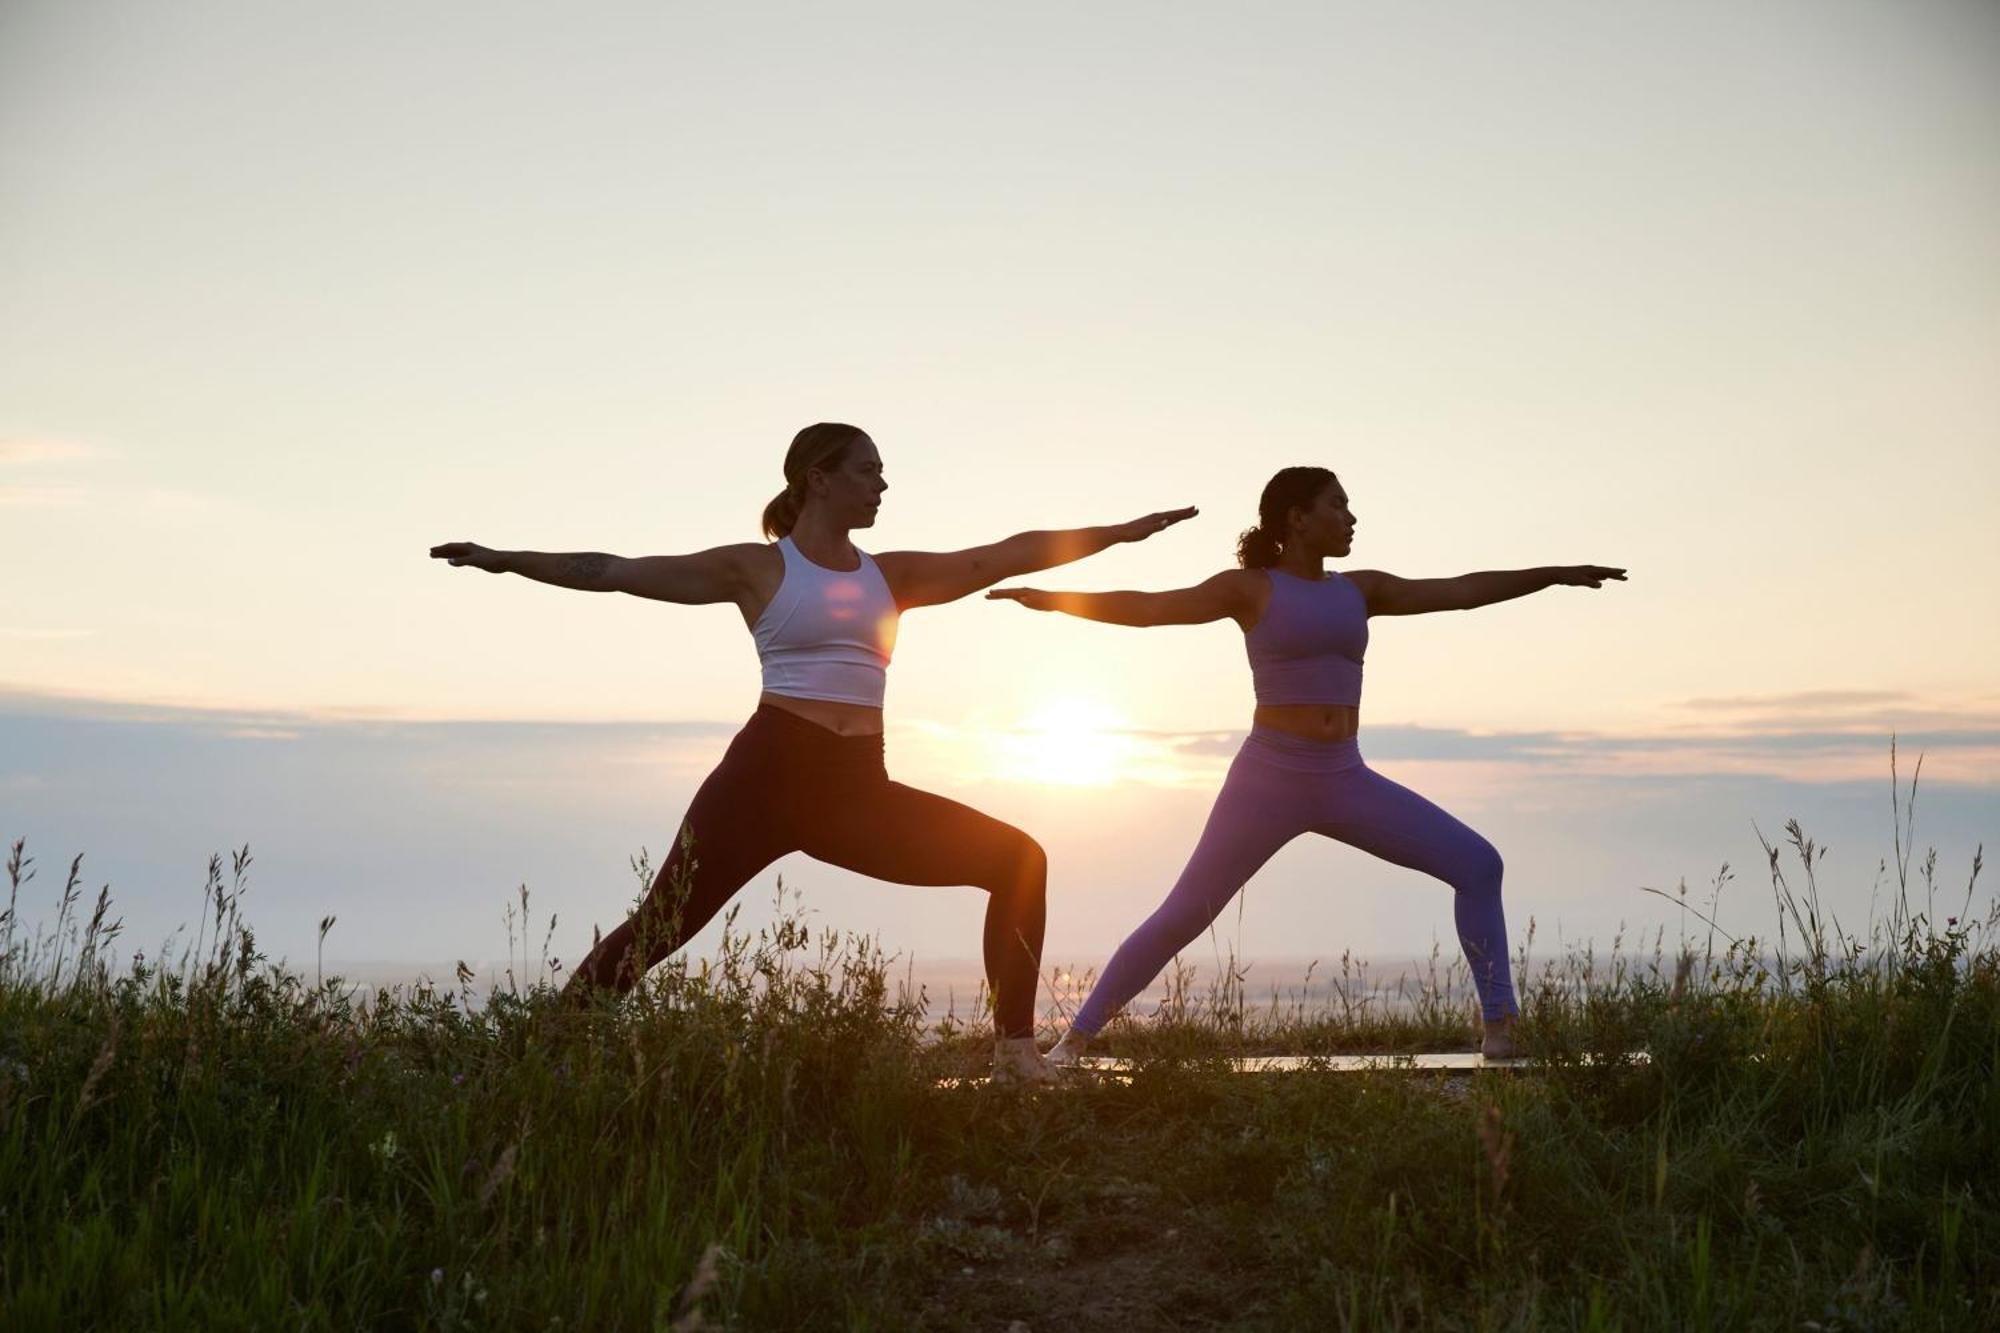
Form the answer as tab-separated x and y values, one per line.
1901	721
1833	719
372	721
1807	701
1956	746
1194	744
29	452
40	497
152	500
1415	742
21	453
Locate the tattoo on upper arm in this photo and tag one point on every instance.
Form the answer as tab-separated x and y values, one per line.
587	567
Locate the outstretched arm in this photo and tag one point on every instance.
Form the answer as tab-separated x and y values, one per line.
717	575
1391	596
925	578
1227	594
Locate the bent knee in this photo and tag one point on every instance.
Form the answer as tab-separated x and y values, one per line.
1023	868
1481	869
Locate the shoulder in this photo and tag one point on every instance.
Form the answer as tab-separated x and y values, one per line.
1241	582
737	560
759	564
920	564
892	563
1377	587
1369	581
1241	593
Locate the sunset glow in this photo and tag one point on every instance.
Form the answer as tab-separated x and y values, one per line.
1068	743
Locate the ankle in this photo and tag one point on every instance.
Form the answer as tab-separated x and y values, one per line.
1069	1052
1498	1041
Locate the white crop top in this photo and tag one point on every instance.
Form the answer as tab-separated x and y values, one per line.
827	633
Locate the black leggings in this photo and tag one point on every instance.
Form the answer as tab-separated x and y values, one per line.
789	785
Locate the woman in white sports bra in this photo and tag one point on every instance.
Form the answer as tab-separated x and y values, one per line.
806	772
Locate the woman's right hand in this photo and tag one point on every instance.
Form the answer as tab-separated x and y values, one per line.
1141	528
1032	598
471	553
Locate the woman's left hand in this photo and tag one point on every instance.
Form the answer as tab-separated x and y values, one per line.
1587	576
1141	528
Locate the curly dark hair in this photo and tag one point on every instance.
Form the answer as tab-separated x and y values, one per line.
1290	488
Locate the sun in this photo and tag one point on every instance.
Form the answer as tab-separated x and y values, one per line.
1066	743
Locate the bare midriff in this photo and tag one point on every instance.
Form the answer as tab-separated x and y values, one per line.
839	718
1315	722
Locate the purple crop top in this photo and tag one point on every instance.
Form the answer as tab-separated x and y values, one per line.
1308	647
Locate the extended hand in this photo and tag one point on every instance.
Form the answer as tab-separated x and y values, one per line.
1141	528
1587	576
1032	598
470	553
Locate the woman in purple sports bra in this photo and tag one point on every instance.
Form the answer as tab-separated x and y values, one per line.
806	772
1300	770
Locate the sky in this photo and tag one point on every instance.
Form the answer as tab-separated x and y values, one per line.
289	294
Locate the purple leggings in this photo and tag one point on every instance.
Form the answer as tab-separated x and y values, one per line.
1279	787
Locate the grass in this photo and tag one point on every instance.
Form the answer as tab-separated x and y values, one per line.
762	1140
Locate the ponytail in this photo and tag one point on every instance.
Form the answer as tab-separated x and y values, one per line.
782	514
1288	489
1257	548
822	446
